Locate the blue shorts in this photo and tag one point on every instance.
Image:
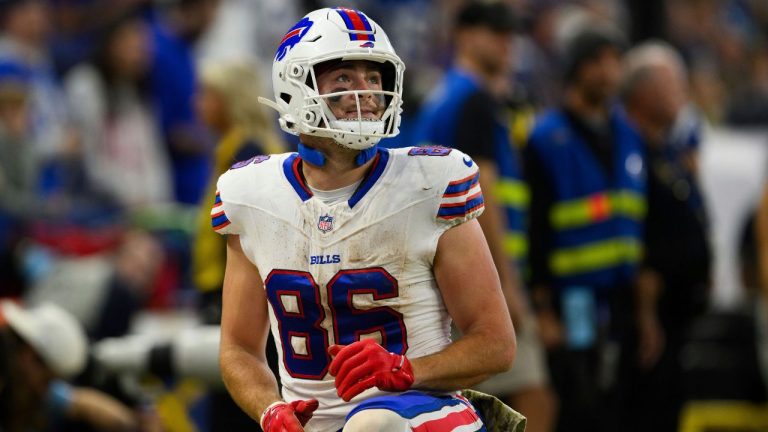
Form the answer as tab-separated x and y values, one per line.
427	412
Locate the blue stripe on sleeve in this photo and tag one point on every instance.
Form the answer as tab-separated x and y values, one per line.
219	220
462	187
460	210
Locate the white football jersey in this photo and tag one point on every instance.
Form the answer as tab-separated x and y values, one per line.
360	268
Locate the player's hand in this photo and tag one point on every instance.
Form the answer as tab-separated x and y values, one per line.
288	417
365	364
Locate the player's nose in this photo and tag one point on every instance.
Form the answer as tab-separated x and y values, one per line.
360	82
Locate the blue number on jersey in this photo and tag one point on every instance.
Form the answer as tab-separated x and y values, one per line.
303	323
349	323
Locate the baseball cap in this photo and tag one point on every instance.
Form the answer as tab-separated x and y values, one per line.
56	336
495	15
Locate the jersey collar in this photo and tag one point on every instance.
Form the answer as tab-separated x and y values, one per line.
292	171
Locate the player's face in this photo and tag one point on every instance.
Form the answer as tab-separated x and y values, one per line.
349	76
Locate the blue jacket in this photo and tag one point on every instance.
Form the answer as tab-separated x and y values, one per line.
596	218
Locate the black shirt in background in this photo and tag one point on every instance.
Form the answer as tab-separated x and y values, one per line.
676	239
474	130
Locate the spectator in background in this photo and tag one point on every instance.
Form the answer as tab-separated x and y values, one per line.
584	169
761	233
762	236
122	145
723	42
78	25
463	112
40	347
537	60
228	105
673	284
748	359
104	286
24	43
176	29
18	196
761	280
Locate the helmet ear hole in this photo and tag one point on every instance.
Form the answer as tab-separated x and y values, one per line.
286	125
285	97
296	71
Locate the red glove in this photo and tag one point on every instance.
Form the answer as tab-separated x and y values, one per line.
288	417
365	364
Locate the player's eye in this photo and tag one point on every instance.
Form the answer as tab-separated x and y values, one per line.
374	79
342	78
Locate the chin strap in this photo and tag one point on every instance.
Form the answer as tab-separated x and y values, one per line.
317	158
365	155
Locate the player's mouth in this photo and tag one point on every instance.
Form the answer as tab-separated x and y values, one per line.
367	115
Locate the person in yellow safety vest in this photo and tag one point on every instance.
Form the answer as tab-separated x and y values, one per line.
584	167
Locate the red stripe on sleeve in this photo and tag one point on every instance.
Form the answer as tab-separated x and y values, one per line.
465	179
218	227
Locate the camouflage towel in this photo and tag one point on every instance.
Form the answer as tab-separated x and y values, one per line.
496	416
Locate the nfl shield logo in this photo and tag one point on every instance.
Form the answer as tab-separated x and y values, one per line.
325	223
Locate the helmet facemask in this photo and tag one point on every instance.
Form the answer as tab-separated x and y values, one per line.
366	115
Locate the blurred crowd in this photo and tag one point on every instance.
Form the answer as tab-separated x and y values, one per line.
116	118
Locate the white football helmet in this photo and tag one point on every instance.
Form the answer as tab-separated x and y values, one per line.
335	34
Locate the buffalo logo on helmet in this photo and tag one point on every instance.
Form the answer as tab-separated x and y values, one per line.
294	36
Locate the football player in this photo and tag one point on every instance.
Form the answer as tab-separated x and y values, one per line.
356	257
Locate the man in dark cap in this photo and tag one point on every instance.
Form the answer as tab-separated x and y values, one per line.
465	112
584	167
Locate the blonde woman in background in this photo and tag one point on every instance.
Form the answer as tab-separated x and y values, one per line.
227	102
